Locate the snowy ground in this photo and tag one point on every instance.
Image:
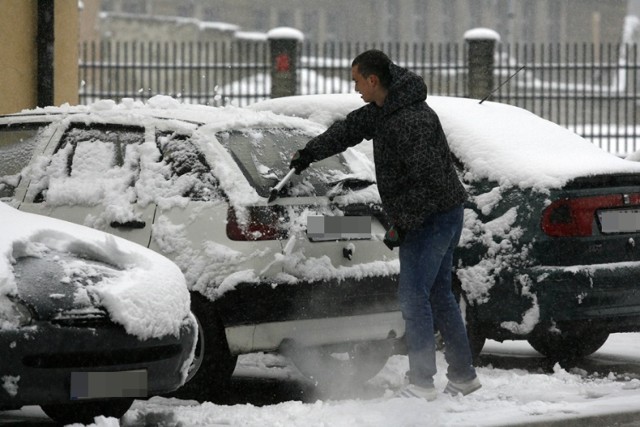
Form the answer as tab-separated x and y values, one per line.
508	397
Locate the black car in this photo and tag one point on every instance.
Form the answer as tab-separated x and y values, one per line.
549	248
80	329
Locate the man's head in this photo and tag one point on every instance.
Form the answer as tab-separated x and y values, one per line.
371	74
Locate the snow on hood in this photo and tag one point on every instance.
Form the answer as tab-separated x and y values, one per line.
147	293
495	141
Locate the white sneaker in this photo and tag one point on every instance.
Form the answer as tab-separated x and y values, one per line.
412	390
464	388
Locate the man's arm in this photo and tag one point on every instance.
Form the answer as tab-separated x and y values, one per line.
343	134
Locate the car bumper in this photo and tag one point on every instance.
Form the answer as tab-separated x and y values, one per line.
49	364
607	293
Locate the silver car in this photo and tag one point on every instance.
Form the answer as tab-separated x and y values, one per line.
306	274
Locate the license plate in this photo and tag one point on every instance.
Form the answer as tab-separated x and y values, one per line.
100	385
320	227
619	220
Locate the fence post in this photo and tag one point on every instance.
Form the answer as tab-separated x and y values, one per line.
481	50
284	44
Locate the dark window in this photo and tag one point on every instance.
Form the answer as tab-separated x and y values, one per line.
134	6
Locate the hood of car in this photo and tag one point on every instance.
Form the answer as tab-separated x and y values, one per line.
57	285
56	268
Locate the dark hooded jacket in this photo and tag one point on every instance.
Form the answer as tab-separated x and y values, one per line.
414	168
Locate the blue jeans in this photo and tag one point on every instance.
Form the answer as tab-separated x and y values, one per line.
426	299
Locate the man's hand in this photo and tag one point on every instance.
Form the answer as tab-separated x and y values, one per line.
393	237
301	160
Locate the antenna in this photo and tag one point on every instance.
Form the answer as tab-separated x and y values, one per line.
502	84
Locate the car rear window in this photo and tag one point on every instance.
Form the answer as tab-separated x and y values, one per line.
17	144
264	155
92	161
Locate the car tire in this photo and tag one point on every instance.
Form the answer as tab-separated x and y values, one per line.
209	378
84	412
569	344
334	369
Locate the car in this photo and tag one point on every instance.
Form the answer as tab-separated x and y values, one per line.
82	329
306	275
549	249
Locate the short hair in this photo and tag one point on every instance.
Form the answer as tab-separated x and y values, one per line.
374	62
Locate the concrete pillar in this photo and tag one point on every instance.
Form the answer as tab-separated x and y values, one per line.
285	45
481	44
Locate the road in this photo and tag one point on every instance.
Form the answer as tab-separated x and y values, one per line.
250	386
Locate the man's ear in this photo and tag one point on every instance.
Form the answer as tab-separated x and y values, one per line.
374	80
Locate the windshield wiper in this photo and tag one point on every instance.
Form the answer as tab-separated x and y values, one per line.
348	184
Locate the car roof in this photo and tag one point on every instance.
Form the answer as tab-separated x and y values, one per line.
494	141
167	108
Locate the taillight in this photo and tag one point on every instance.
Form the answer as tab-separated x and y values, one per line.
574	217
262	223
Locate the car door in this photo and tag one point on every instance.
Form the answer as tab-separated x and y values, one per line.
90	178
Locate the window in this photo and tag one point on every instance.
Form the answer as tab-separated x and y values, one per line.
92	163
190	173
263	155
17	144
419	20
134	6
285	18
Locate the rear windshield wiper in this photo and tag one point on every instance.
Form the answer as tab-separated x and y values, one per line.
348	184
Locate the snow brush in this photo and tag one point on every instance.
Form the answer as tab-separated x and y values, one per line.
275	190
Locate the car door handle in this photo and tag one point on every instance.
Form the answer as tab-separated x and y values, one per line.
128	224
347	253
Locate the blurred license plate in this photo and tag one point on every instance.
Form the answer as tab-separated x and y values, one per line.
97	385
320	227
619	221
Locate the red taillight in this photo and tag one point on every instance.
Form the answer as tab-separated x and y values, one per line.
575	217
262	223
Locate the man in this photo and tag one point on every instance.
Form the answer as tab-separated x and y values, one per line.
421	193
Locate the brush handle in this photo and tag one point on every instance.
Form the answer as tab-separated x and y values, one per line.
286	179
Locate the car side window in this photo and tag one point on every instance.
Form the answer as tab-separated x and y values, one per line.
17	145
93	162
190	170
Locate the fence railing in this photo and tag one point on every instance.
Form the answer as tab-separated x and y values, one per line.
591	89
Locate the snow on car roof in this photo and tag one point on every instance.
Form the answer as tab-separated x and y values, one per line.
148	295
495	141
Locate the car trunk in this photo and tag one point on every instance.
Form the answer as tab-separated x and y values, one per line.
592	220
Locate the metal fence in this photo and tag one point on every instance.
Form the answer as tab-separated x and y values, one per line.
591	89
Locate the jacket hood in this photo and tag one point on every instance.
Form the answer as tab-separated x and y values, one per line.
406	88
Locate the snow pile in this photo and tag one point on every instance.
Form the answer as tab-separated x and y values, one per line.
145	292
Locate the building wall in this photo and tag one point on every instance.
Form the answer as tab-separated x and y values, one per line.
18	54
406	21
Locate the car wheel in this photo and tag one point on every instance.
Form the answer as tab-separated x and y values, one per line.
84	412
569	343
210	372
475	335
335	369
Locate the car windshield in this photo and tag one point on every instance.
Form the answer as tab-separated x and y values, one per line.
264	155
17	143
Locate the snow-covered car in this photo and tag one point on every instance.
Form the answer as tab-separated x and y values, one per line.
88	322
549	251
306	274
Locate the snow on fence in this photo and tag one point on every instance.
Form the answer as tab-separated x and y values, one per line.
591	89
